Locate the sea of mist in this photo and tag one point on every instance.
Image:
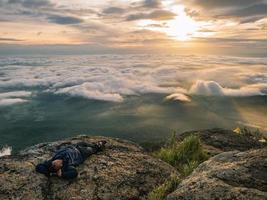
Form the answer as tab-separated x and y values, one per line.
137	97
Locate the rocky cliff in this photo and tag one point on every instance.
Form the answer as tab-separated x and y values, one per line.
121	171
218	140
125	171
230	175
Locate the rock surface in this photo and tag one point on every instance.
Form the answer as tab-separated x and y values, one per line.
217	140
228	176
121	171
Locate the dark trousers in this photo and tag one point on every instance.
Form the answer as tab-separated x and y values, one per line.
87	149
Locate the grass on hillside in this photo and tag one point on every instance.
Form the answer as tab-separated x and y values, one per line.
163	190
185	156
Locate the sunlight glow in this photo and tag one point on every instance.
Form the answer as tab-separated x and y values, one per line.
182	27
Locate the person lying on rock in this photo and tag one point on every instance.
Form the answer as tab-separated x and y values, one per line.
63	163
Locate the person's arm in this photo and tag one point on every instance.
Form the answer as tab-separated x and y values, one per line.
68	173
43	168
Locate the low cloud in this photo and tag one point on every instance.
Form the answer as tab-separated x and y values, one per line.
15	94
212	88
206	88
178	97
111	90
86	91
9	102
255	78
16	97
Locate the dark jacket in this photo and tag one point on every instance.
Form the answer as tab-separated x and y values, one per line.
71	157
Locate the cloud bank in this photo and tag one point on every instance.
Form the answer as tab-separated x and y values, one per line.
114	77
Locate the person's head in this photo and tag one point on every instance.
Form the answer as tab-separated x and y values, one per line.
57	164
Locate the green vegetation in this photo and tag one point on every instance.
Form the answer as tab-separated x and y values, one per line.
185	156
163	190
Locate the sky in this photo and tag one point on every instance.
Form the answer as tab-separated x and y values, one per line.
235	27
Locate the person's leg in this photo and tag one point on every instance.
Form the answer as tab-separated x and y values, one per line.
85	144
98	145
87	151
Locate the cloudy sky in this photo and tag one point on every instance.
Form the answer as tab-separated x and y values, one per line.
198	26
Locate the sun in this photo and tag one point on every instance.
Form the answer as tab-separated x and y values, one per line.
182	27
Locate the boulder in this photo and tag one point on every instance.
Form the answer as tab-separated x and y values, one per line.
218	140
122	171
228	176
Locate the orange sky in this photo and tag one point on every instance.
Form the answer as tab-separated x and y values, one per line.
193	25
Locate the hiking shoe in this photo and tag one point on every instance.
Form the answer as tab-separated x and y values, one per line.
101	144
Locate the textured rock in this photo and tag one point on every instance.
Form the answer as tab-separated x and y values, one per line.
219	140
228	176
121	171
